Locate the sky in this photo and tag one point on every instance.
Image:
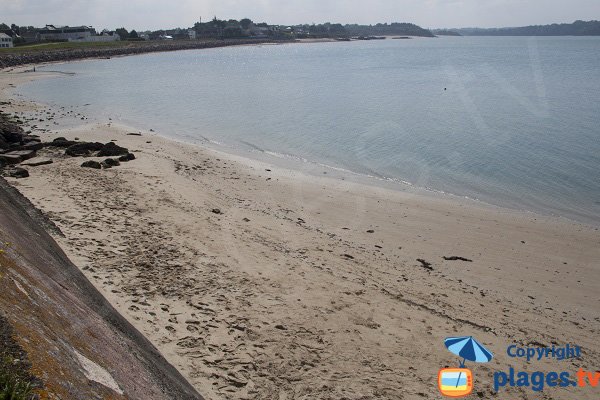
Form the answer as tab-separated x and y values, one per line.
156	14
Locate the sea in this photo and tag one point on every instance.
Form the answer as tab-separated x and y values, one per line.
508	121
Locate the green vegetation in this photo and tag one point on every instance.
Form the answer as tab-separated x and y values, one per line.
13	387
395	28
221	29
62	46
16	381
445	32
123	33
577	28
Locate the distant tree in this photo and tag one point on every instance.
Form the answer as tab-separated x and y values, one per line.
245	23
337	30
4	27
577	28
133	35
15	29
122	32
232	32
219	23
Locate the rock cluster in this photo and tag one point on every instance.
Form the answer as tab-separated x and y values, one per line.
16	147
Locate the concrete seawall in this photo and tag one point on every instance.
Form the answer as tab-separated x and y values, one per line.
77	343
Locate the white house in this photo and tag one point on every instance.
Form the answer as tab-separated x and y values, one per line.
5	40
105	36
192	34
79	33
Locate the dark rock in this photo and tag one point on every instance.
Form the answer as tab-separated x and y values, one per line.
134	134
22	154
92	164
9	159
110	162
110	149
127	157
17	172
36	163
60	142
216	211
370	231
456	258
83	149
9	131
280	327
425	264
31	138
33	146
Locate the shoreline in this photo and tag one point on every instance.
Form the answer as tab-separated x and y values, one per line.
315	168
310	168
270	297
15	59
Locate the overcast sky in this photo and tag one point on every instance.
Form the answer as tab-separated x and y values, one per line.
155	14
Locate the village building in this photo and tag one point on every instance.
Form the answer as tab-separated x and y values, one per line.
5	41
66	33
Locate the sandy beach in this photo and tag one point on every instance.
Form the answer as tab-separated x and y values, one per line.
258	282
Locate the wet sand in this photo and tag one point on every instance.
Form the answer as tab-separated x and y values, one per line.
259	282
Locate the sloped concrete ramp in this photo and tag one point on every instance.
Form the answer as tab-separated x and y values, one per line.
77	343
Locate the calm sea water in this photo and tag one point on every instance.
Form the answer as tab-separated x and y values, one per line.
511	121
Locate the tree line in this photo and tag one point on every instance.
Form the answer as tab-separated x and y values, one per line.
577	28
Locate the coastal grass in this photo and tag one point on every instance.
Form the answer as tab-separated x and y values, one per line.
65	46
13	386
16	381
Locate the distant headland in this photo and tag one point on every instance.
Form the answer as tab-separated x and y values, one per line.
577	28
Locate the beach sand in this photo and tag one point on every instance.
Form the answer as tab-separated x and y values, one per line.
259	282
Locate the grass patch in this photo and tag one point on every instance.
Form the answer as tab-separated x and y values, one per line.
16	381
32	48
13	387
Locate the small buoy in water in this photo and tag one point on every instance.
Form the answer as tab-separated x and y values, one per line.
444	88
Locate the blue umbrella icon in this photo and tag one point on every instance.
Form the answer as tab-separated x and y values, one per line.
469	349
